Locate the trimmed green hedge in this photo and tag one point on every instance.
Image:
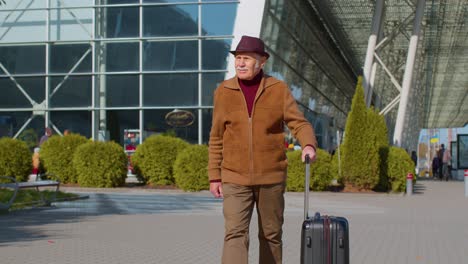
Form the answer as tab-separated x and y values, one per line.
154	159
57	154
15	159
399	165
100	164
191	168
319	171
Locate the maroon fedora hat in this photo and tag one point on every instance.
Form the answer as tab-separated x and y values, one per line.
251	44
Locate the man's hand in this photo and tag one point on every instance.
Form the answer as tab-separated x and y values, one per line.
308	150
216	189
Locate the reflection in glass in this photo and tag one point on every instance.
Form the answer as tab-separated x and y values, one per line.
155	123
64	57
121	22
218	19
75	91
215	54
23	26
118	120
11	122
33	86
209	83
207	115
122	56
170	89
168	1
174	20
23	59
71	24
170	55
12	96
117	2
78	122
122	90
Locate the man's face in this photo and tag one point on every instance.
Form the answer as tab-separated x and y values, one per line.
248	65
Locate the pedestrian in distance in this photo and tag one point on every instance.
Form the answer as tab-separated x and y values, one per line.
446	161
440	156
435	167
46	136
247	161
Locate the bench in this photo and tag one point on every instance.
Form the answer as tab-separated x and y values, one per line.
16	186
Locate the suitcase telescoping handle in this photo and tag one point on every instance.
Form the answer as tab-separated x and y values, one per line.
307	187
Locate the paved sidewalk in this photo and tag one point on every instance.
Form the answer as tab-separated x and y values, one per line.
148	226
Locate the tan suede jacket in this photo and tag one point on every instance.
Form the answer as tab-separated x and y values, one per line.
250	150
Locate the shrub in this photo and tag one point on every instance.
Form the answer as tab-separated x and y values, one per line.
399	165
100	164
15	159
319	171
154	159
191	168
57	154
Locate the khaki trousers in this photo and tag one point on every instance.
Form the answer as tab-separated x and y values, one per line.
237	208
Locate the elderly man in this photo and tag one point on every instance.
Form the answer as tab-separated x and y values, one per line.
247	161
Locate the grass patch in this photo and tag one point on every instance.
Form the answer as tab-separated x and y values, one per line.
27	198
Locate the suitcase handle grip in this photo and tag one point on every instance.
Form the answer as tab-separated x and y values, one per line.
307	187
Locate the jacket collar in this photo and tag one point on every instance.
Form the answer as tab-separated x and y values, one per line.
266	82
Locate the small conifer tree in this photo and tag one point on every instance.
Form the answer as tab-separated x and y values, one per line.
354	145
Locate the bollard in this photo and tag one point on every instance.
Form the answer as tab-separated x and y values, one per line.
409	184
466	183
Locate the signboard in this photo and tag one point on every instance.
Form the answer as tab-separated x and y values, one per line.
462	153
180	118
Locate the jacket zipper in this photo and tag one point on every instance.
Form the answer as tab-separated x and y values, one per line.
251	165
251	149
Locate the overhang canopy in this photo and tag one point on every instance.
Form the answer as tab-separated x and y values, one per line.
441	71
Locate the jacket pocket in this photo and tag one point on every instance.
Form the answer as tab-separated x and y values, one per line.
235	158
270	160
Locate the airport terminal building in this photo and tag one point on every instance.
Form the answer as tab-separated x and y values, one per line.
103	68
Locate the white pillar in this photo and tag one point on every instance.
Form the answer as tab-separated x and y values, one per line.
376	22
407	78
248	22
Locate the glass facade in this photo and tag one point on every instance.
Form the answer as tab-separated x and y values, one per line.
99	67
301	56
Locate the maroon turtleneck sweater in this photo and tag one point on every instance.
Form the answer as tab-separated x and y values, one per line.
249	89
